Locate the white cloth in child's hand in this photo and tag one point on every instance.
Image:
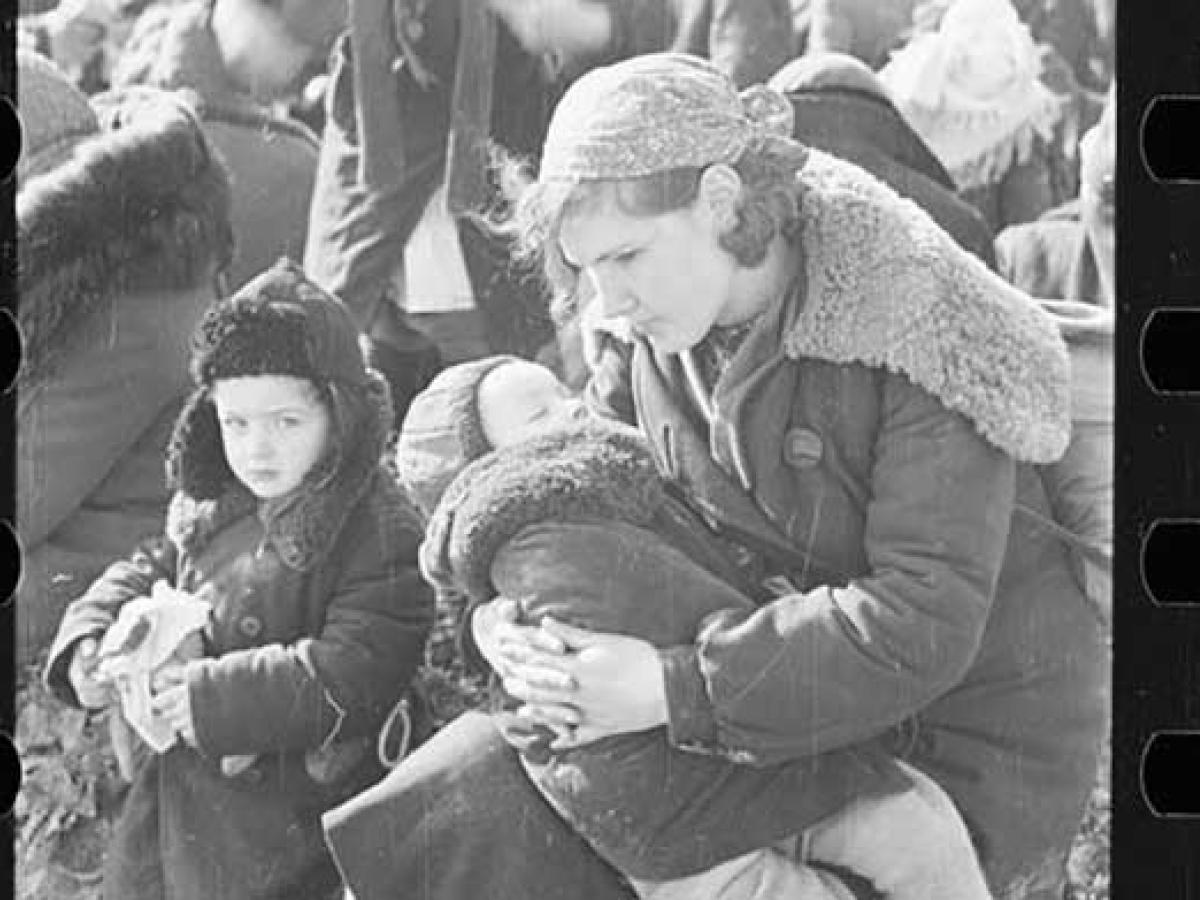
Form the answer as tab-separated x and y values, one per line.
150	634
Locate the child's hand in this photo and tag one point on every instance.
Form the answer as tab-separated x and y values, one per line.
173	703
92	691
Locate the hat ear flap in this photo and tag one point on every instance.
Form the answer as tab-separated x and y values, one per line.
196	463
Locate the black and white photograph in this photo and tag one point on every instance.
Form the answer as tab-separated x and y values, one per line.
565	449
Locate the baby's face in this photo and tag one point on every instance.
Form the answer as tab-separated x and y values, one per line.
521	399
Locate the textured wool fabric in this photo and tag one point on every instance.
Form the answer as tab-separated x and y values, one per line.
280	323
889	289
442	432
598	469
143	205
656	112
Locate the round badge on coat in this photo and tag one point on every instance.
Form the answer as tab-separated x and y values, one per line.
250	626
802	448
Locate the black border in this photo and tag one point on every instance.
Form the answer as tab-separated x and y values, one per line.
8	409
1156	672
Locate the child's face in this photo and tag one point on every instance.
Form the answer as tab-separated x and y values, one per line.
275	429
521	399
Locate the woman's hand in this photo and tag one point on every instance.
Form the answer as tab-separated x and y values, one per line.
505	644
617	686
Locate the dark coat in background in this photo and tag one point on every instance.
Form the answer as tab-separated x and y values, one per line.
357	231
272	159
117	252
861	126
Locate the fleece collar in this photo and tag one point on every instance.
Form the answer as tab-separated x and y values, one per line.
599	469
142	208
887	288
304	527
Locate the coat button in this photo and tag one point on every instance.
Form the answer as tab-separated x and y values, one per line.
250	626
802	448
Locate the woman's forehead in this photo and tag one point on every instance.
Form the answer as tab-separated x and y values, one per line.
597	227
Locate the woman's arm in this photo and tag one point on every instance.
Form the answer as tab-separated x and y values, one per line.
833	666
830	667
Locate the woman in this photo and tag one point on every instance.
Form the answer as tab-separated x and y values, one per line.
836	386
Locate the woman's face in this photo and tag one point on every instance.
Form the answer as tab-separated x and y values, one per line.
274	428
666	274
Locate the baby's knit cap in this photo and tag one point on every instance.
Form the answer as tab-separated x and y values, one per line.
442	432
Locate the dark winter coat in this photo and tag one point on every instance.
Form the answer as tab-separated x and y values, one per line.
272	159
319	620
580	526
868	130
358	232
883	418
117	252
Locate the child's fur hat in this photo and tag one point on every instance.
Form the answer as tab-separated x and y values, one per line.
279	323
442	432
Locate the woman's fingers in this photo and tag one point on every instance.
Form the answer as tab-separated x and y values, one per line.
516	656
559	717
528	636
538	688
568	635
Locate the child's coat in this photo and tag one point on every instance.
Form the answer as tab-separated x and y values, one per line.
319	620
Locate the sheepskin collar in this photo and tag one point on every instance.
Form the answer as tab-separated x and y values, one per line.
304	526
600	469
887	288
144	208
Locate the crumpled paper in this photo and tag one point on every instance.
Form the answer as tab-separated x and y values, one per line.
150	633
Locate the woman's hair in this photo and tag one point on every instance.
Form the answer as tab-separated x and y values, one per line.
533	211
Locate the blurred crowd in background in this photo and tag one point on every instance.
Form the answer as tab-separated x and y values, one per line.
359	137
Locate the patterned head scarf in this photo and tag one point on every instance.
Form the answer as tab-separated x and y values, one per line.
657	112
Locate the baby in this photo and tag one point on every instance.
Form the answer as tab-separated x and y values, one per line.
529	498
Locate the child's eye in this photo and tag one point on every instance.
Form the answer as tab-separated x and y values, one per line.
233	424
290	421
625	256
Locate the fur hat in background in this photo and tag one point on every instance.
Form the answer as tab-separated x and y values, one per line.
442	432
142	206
55	115
280	323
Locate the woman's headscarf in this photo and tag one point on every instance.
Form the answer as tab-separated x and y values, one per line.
657	112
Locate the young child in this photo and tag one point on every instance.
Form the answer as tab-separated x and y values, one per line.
285	521
570	515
